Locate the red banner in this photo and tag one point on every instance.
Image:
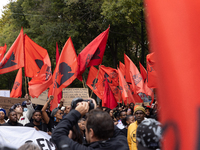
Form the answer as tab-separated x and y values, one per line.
2	51
17	87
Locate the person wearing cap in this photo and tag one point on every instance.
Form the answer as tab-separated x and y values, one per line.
139	113
2	115
149	135
55	117
23	117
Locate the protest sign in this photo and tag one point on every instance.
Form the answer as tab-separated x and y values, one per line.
41	100
71	93
5	93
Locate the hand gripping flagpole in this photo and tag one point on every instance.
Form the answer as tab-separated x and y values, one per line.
95	80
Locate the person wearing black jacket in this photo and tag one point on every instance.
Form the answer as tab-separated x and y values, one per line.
12	116
100	131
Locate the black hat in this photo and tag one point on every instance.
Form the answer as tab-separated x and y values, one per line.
149	134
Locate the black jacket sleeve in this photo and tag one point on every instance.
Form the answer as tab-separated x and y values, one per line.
60	134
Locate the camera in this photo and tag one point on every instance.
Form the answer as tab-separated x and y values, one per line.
75	101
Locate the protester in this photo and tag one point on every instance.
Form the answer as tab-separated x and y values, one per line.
148	110
149	135
2	116
56	115
122	114
37	121
126	122
139	113
12	116
24	117
110	112
100	133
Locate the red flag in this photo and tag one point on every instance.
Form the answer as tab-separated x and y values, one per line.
108	97
65	72
122	68
132	72
151	73
125	90
143	72
112	77
92	54
57	58
40	82
95	84
14	58
174	37
148	91
35	57
17	87
2	51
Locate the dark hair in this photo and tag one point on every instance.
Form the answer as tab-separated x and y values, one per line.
10	112
37	111
14	106
82	119
126	119
108	110
101	123
121	112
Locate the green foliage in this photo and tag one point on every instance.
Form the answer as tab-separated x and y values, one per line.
49	21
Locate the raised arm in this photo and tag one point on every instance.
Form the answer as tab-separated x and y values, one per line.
44	113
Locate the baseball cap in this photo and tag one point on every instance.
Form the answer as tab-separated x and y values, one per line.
149	135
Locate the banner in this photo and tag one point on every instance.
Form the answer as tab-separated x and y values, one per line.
17	86
14	137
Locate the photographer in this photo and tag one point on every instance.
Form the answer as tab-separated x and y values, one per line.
100	133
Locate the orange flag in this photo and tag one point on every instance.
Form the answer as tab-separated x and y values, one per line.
17	87
151	73
143	72
92	54
65	72
40	82
35	57
2	51
174	37
133	74
14	58
95	84
122	68
108	97
57	58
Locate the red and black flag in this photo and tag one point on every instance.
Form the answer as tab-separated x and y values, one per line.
133	76
65	72
2	51
14	58
17	87
57	58
92	54
35	57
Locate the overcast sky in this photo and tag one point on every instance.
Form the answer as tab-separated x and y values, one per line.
2	3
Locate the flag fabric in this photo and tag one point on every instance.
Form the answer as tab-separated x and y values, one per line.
112	77
143	72
151	72
174	37
2	51
57	58
125	90
108	97
40	82
35	57
95	84
122	69
133	72
14	58
92	54
65	72
148	91
17	86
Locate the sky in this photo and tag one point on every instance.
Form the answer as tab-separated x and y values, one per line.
2	3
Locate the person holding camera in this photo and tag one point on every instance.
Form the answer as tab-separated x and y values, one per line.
100	131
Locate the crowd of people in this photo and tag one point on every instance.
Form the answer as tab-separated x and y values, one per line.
85	125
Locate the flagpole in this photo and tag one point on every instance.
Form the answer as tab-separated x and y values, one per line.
95	80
